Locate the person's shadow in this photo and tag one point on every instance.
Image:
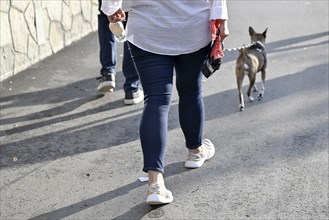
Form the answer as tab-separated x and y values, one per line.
136	212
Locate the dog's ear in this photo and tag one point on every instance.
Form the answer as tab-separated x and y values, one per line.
264	33
251	31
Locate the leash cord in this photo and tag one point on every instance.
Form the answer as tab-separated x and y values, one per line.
239	48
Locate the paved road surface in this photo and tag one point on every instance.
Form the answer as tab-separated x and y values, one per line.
69	153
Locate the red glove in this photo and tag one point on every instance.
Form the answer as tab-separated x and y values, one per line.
217	50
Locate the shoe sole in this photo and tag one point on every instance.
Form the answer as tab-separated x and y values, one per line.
193	164
156	199
133	101
106	87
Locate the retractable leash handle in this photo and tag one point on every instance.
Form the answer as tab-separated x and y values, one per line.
118	31
214	57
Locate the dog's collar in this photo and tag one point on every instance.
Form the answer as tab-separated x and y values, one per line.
260	43
259	46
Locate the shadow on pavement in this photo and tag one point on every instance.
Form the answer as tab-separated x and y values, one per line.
136	212
72	140
65	98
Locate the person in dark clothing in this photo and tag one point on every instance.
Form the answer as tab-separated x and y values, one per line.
108	60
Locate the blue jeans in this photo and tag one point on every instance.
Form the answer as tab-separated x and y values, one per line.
107	46
108	56
156	74
131	83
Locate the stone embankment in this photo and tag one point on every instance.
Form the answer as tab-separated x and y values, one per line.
32	30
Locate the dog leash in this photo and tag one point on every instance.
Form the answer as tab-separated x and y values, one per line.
239	48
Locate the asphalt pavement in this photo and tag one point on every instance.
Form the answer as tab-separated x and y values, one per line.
68	152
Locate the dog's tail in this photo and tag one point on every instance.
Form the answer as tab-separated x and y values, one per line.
243	51
246	62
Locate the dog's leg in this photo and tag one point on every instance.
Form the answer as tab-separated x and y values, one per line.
252	80
239	80
261	93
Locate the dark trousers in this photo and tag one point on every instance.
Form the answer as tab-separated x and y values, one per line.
132	82
156	74
107	46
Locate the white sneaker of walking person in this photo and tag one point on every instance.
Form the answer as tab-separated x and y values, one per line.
158	194
196	160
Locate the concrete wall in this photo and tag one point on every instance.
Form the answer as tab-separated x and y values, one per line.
32	30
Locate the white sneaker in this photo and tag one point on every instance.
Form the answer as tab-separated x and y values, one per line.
158	195
196	160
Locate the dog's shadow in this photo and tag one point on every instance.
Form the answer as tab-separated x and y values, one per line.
276	88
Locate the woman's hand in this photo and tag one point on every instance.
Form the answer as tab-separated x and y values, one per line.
220	25
223	28
119	15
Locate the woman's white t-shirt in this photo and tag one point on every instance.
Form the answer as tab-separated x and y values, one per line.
168	27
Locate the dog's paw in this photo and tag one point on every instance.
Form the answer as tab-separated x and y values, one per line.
241	108
251	98
260	96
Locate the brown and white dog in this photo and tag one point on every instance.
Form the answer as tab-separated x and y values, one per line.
251	60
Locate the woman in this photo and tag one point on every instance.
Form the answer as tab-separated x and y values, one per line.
164	36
